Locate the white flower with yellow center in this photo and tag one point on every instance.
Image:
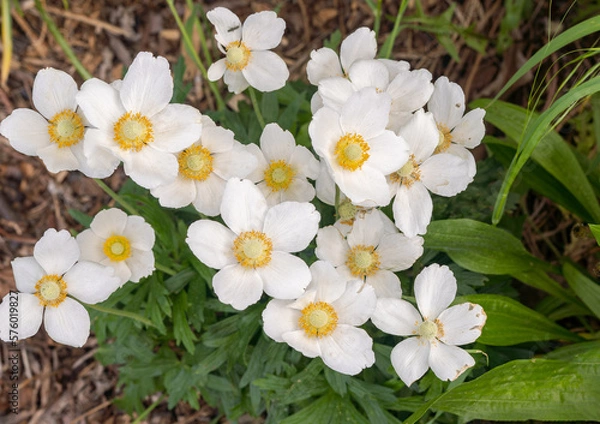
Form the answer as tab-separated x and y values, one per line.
121	242
323	321
248	59
438	330
369	253
135	122
253	253
56	133
204	168
49	282
283	167
457	132
357	148
443	174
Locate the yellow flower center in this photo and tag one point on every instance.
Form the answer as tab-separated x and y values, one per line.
347	211
408	174
351	151
253	249
238	56
363	261
66	128
133	131
318	319
431	330
445	139
195	163
279	175
51	290
117	248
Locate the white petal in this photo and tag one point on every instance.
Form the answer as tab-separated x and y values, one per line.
335	92
227	25
361	44
101	163
148	86
388	152
323	63
26	130
410	359
57	158
266	71
56	251
176	127
299	190
331	246
396	316
347	350
394	67
421	134
463	153
212	243
100	103
470	130
90	282
447	102
285	277
209	195
279	318
216	138
291	225
365	113
304	161
27	273
236	81
449	362
366	185
29	314
177	194
445	174
53	91
385	283
150	167
462	323
139	233
217	69
369	73
68	323
327	283
122	271
367	230
243	207
91	246
412	209
356	305
237	162
237	286
263	30
141	265
435	289
324	131
410	90
277	143
308	346
109	222
398	252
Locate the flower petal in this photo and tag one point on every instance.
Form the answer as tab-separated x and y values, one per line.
217	70
227	25
244	207
277	143
410	90
27	273
463	153
212	243
53	91
91	282
435	289
365	113
323	63
139	233
421	134
91	246
292	225
68	323
447	102
308	346
388	152
176	127
100	103
396	316
369	73
335	91
412	209
385	283
141	264
356	305
326	282
367	230
150	167
331	246
26	130
177	194
285	277
410	359
236	81
209	195
109	222
237	286
449	362
366	185
279	318
347	350
56	251
304	161
398	252
57	158
29	314
470	130
462	323
266	71
263	30
361	44
445	174
237	162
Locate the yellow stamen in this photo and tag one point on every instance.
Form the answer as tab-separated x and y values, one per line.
133	131
238	56
66	128
253	249
51	290
351	151
363	261
445	139
431	330
117	248
195	163
408	174
279	175
318	319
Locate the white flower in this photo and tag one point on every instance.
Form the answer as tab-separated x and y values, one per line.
121	242
283	167
457	132
369	254
323	321
56	133
443	174
438	329
248	60
204	168
49	282
253	254
137	124
357	148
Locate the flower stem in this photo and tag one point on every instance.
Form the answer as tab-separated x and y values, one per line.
337	201
120	313
389	45
6	41
147	411
117	198
165	269
61	41
259	116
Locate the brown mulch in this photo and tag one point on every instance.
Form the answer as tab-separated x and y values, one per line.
59	384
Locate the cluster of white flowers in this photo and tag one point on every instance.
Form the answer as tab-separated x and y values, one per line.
375	142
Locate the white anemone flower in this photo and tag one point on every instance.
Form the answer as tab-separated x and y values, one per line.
248	61
457	132
357	148
369	253
253	253
56	132
50	282
323	321
135	122
443	174
121	242
204	168
283	167
438	329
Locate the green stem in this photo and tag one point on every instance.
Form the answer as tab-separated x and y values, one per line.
187	41
259	116
120	313
388	51
337	201
165	269
147	411
117	198
377	13
61	41
205	50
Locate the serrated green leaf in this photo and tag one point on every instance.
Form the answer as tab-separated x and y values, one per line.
338	382
330	409
179	382
181	329
510	323
587	290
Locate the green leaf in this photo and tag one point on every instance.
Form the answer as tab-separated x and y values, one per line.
82	218
587	290
338	382
269	107
181	329
595	228
330	409
510	323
